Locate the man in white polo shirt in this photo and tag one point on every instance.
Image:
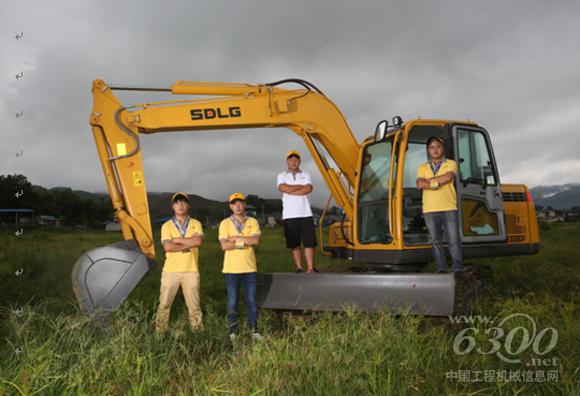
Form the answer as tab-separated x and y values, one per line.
295	185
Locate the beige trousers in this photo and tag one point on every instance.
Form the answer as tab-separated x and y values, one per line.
170	282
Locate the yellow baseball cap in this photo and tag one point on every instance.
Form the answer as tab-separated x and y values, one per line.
291	153
237	196
179	194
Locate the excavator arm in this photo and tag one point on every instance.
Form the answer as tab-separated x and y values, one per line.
117	130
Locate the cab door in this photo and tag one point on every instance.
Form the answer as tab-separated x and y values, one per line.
479	199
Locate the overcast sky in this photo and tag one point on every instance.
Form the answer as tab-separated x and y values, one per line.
513	67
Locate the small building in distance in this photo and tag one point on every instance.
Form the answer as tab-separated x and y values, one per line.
112	226
273	219
48	220
550	215
251	211
15	216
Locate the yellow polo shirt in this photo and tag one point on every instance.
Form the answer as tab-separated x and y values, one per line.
239	261
186	260
445	197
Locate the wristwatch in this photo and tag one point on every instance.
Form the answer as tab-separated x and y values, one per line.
434	185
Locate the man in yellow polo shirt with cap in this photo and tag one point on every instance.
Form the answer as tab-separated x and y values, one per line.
238	234
435	177
181	236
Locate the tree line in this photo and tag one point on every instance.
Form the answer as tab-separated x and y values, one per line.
16	192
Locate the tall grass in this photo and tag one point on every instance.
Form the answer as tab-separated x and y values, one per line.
352	353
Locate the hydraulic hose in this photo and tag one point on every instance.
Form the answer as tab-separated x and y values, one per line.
128	132
309	86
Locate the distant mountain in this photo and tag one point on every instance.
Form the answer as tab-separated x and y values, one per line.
160	202
563	196
558	197
97	197
93	207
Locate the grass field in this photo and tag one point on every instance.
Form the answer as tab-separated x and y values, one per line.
350	353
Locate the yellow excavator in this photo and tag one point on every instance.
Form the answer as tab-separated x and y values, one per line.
372	181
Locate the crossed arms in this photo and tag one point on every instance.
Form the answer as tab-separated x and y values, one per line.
230	243
180	243
295	189
425	184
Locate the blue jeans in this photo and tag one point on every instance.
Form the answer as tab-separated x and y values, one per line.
447	221
233	282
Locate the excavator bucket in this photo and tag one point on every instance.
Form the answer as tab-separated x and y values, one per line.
424	294
102	278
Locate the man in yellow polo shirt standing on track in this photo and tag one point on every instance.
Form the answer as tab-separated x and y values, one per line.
435	177
238	234
181	236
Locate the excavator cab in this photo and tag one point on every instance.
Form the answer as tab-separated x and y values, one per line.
389	230
373	182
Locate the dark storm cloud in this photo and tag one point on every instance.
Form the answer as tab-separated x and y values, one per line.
512	67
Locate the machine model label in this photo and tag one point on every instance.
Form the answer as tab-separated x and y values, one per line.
211	113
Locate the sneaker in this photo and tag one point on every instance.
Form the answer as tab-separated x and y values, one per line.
313	270
257	337
299	270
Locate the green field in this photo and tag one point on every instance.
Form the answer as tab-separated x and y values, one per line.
351	353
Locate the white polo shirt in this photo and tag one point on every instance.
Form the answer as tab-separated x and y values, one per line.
294	206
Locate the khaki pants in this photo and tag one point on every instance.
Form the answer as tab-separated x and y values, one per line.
170	282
